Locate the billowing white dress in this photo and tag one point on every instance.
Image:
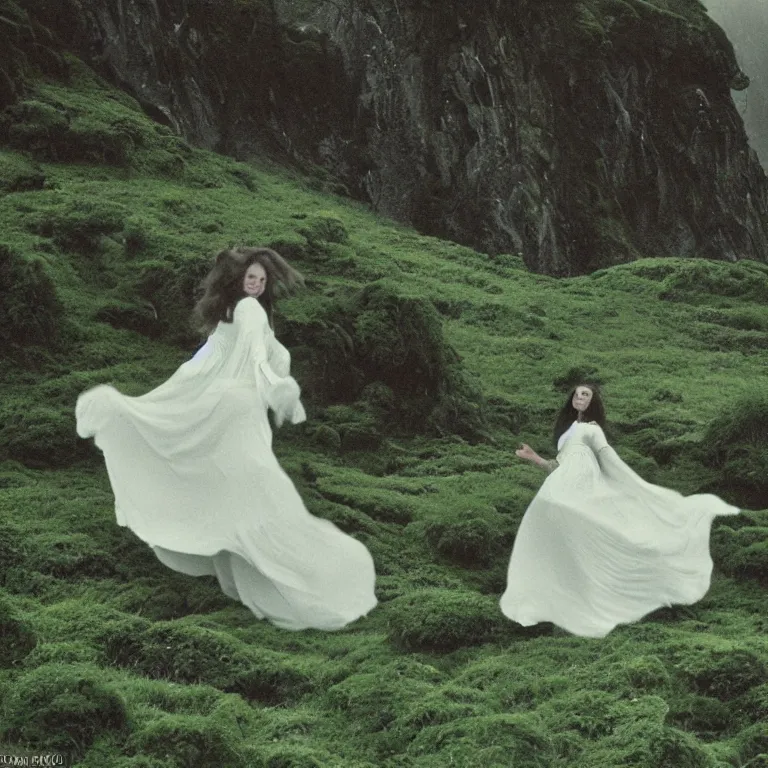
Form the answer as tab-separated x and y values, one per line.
599	546
194	476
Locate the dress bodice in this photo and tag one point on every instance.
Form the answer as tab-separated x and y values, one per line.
224	337
581	435
563	439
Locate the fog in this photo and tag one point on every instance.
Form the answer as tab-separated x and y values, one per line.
746	24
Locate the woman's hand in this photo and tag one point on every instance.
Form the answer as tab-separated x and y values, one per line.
526	452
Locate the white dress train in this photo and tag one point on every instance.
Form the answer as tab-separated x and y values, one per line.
194	476
599	546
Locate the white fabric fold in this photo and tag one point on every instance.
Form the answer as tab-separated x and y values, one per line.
599	546
194	476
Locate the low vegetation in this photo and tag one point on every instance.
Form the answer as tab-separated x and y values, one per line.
424	365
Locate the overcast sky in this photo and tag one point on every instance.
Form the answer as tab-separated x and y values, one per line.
746	24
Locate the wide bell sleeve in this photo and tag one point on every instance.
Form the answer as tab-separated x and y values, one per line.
281	393
279	359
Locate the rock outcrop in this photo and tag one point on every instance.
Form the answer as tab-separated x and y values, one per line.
578	133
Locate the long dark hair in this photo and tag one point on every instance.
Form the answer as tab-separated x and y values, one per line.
223	285
568	414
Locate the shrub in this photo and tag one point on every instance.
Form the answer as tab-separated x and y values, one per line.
720	339
61	707
442	620
645	673
299	756
381	505
30	312
437	708
136	234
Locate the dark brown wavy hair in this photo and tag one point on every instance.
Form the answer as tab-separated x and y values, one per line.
223	286
568	414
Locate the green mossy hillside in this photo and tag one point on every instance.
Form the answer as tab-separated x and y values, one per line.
424	365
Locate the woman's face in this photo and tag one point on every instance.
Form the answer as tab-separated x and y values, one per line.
255	280
582	397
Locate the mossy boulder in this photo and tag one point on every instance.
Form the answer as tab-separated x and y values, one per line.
742	552
64	653
192	654
723	674
78	224
752	745
72	556
706	717
736	447
85	121
324	227
17	640
39	435
131	315
386	353
692	280
472	538
489	740
18	174
187	740
443	620
31	311
61	707
375	700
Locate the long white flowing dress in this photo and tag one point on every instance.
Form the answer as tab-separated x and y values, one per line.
599	546
194	476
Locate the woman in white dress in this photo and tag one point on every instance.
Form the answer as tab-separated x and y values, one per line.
599	546
192	468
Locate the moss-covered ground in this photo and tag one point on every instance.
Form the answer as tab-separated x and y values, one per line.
424	365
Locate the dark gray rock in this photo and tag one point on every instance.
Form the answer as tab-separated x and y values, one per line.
576	136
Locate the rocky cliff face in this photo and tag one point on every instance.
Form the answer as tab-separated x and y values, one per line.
581	134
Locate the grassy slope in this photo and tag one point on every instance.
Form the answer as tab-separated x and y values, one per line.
109	654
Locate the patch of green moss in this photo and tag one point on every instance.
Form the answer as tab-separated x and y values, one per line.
61	707
187	740
442	620
16	639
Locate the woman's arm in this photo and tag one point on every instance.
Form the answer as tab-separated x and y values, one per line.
527	453
281	393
